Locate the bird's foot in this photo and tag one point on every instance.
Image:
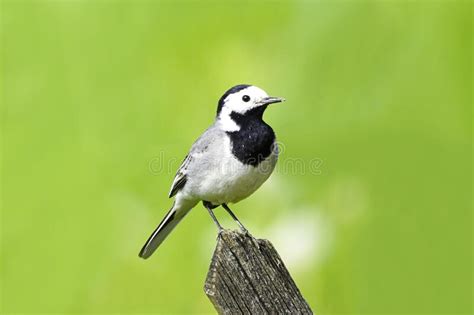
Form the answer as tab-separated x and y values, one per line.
244	231
219	232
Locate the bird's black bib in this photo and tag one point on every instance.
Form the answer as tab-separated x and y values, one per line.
253	143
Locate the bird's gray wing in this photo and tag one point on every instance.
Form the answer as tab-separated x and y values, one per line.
180	177
200	147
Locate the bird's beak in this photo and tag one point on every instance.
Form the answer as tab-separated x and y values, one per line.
270	100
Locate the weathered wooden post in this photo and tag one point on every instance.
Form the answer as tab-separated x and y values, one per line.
247	276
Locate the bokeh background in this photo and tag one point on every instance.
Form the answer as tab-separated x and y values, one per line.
370	207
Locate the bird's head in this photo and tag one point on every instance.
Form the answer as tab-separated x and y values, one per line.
243	101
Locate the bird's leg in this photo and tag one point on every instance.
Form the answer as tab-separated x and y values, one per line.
242	227
209	206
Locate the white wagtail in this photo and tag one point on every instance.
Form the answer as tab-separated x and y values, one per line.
226	164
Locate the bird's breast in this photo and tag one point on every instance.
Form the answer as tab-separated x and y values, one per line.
253	143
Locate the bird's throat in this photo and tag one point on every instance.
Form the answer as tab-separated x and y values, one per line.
254	141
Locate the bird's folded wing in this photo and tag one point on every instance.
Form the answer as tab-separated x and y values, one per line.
207	145
180	177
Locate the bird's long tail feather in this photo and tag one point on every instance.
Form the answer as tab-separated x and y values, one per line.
172	218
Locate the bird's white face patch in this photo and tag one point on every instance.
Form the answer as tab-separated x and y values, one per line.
239	102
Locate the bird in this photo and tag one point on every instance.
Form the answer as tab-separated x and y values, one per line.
226	164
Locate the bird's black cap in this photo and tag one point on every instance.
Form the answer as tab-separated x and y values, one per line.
232	90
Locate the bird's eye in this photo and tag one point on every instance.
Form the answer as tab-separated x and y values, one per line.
246	98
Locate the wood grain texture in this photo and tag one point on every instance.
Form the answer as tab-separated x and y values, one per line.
247	276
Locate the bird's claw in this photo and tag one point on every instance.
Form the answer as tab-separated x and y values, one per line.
245	231
219	233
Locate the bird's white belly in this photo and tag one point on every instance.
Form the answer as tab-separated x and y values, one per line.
231	181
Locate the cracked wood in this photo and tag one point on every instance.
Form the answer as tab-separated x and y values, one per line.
247	276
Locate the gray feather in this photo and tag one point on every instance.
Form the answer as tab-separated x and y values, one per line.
167	225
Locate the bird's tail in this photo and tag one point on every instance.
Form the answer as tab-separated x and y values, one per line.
172	218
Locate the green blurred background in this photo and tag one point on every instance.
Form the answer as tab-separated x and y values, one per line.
371	204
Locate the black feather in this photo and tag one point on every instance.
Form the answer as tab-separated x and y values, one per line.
178	185
230	91
253	143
